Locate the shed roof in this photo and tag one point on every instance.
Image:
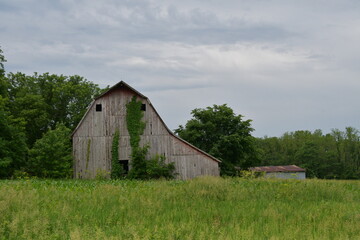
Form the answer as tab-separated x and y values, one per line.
288	168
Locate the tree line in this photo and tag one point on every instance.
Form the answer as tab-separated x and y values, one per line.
220	132
37	115
334	155
39	112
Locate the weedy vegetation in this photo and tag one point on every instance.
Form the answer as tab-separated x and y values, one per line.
203	208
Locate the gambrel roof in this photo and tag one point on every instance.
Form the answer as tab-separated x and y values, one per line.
122	84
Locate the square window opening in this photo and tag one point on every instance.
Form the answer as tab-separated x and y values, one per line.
143	107
98	107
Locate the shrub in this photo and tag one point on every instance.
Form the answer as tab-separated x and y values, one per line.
20	174
51	155
157	168
138	163
153	168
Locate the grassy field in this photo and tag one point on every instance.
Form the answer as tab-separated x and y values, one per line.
204	208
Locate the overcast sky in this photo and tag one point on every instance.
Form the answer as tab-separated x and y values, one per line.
287	65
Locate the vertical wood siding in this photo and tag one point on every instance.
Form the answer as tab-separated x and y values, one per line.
97	129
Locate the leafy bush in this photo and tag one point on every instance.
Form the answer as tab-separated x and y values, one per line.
51	155
20	174
153	168
138	163
157	168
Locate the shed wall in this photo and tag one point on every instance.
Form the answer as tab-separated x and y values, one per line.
286	175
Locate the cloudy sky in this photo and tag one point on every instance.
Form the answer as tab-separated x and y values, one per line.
287	65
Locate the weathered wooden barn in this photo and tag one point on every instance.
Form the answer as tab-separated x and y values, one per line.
285	172
92	138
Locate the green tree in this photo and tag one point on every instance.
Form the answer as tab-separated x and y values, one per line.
67	97
2	60
271	151
3	83
13	148
327	156
308	157
32	108
47	99
30	105
220	132
51	155
348	151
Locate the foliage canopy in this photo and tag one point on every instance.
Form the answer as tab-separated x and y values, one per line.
51	155
30	106
332	155
225	135
2	60
13	149
47	99
38	111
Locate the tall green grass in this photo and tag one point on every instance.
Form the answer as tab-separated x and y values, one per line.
203	208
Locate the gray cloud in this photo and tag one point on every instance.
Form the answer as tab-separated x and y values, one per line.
287	65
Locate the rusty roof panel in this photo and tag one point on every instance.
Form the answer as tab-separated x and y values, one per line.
288	168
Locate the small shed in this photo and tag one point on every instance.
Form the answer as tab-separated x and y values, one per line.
285	172
92	138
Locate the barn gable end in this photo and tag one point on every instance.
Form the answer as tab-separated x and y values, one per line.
92	139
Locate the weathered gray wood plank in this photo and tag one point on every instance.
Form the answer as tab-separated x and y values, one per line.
98	128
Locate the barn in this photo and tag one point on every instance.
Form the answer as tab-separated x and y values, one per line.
285	172
92	138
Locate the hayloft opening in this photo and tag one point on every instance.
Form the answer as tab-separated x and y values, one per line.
125	165
98	107
143	107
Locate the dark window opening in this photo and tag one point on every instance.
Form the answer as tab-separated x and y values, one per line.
98	107
143	107
125	165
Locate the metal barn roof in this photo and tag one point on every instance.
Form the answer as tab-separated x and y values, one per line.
288	168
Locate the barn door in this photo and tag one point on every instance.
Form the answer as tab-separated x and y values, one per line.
125	166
